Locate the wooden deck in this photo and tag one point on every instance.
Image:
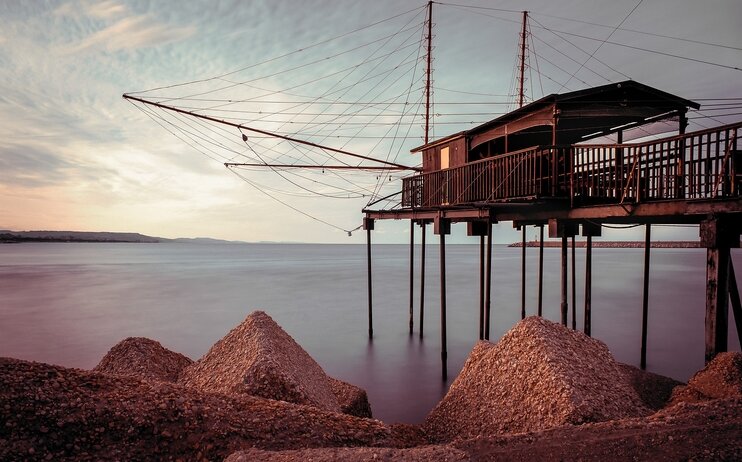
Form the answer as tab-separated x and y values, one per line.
700	166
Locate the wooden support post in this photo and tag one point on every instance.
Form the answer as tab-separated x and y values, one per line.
488	284
564	304
479	228
481	287
541	270
718	235
589	230
717	297
523	273
574	286
368	225
734	298
645	294
563	229
422	276
588	284
442	227
412	272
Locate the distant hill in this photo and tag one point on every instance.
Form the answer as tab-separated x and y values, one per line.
7	236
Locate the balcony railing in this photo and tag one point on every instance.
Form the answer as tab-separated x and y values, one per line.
700	165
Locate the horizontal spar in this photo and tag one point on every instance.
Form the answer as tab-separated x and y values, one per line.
328	167
263	132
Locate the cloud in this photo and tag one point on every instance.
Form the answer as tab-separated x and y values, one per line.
105	10
31	166
132	33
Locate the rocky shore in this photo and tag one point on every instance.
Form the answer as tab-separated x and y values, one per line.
543	392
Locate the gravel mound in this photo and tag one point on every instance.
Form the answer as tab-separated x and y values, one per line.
353	400
259	358
423	454
721	378
54	413
539	375
143	358
653	389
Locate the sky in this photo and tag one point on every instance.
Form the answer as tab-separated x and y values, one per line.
74	155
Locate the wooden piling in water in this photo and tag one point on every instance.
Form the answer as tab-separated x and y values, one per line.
574	286
718	235
488	284
564	304
443	227
481	287
523	273
588	284
735	301
412	272
589	229
645	294
368	225
422	276
541	269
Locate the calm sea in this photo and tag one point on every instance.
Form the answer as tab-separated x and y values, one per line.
67	304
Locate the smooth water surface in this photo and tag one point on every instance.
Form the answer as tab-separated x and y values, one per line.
68	303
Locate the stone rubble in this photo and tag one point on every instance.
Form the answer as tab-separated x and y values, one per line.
55	413
542	392
721	378
259	358
538	376
653	389
143	358
353	400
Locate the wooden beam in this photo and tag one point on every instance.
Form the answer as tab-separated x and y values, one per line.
645	295
444	350
735	299
423	224
412	274
368	225
488	285
717	299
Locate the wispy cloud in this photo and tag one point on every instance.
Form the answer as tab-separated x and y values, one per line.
131	33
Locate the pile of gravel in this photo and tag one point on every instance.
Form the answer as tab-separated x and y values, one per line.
143	358
54	413
653	389
259	358
539	375
353	400
721	378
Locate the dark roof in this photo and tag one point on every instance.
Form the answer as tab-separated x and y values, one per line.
645	94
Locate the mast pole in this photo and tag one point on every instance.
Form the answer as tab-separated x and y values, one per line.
521	92
428	72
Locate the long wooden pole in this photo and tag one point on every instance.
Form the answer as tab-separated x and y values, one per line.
370	291
564	304
574	286
412	272
428	72
541	270
588	284
264	132
645	294
717	300
481	287
734	298
488	284
422	277
444	352
522	90
523	273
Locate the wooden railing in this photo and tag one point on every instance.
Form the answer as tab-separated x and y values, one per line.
700	165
